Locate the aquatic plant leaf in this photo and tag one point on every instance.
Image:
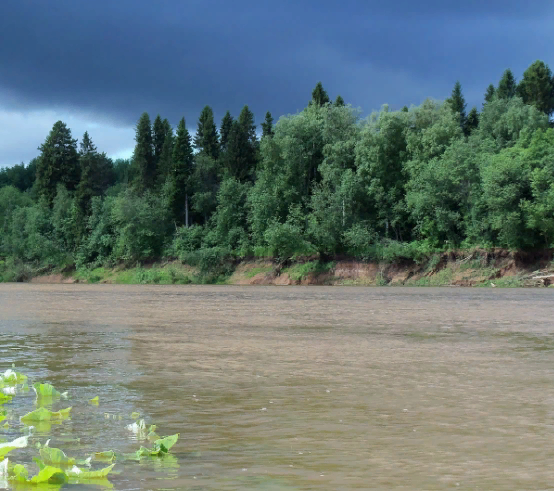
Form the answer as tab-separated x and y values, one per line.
3	414
135	415
137	427
4	398
108	456
165	444
81	474
152	436
50	475
43	414
55	456
45	390
11	377
7	447
19	473
95	401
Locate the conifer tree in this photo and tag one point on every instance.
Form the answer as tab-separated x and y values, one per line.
267	125
206	139
225	128
241	156
319	95
537	87
182	167
472	121
143	155
405	109
165	164
158	137
489	94
58	162
507	86
339	101
458	103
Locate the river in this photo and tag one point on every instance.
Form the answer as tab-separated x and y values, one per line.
294	388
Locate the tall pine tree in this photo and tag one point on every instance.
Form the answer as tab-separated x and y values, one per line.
489	94
225	128
58	162
507	86
458	103
267	125
472	121
537	87
143	156
339	101
241	157
165	164
319	95
182	167
206	139
158	137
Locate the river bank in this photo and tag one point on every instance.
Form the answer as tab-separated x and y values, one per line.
486	268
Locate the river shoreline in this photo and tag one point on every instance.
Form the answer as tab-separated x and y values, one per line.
485	268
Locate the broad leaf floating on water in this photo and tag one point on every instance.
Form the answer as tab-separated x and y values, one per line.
49	475
11	377
161	447
4	398
7	447
43	414
108	456
56	456
135	415
95	401
81	474
138	427
47	390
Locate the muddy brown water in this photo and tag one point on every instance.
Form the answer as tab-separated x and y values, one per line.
295	388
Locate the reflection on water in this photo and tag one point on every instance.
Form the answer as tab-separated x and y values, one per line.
295	388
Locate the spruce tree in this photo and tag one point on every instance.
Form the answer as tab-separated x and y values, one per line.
58	162
458	103
507	86
165	164
182	167
267	125
158	137
339	101
319	95
537	87
472	121
206	139
241	157
143	156
405	109
489	94
225	128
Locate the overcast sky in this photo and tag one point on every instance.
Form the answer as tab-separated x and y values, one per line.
98	65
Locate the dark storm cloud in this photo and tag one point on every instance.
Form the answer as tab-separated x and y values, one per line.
118	58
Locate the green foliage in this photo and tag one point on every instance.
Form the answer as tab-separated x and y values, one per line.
507	86
206	139
267	125
537	87
319	95
58	162
143	155
400	185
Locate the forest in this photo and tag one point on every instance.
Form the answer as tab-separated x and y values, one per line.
323	182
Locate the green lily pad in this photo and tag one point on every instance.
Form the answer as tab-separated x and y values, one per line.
56	456
7	447
43	414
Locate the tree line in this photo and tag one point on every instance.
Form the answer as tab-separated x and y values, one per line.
324	181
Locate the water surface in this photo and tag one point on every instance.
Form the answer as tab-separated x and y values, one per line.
295	388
